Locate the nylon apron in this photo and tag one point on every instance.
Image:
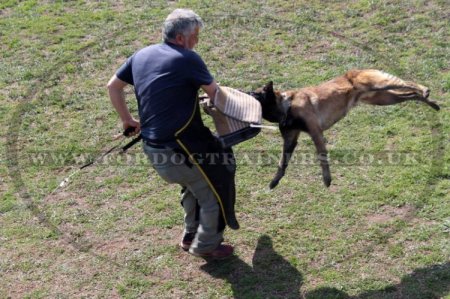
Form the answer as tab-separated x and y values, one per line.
216	164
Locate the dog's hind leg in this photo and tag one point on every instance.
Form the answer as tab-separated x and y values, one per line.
380	88
391	97
375	80
290	137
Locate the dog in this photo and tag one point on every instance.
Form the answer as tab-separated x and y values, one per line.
315	109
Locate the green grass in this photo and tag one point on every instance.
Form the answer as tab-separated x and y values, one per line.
380	231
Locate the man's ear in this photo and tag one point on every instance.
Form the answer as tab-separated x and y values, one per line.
179	39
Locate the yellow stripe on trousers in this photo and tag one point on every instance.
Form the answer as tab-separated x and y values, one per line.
191	157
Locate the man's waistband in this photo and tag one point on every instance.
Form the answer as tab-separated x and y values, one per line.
160	144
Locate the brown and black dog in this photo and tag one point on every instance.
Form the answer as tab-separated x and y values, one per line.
315	109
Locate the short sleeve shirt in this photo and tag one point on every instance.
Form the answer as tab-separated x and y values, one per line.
166	80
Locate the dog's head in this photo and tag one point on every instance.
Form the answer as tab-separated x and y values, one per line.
269	99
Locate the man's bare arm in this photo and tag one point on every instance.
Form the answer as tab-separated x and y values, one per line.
117	97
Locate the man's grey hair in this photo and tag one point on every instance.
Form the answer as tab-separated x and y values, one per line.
180	21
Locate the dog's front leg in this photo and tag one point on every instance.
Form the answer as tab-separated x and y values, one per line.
316	134
290	137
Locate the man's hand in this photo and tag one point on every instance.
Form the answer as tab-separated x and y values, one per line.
131	127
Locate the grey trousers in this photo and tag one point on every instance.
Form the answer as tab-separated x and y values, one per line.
171	167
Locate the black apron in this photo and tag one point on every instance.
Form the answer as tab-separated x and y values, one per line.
216	164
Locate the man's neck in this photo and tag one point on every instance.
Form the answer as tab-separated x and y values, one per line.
175	43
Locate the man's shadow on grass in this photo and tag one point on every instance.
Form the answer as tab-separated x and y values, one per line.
270	277
274	277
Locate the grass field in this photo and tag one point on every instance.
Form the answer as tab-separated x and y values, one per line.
380	231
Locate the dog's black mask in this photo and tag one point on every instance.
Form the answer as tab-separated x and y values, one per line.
266	96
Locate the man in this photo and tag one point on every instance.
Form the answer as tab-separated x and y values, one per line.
166	79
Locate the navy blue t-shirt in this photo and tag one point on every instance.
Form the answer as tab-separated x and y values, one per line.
166	80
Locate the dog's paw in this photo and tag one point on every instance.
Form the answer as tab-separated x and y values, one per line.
434	105
273	184
327	181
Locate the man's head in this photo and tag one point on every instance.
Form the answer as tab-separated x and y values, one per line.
182	28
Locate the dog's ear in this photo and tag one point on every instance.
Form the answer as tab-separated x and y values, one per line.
268	87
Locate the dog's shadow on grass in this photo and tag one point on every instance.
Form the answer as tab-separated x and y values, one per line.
273	277
425	283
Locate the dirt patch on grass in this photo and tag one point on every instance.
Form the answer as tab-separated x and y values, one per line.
387	214
71	198
114	247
